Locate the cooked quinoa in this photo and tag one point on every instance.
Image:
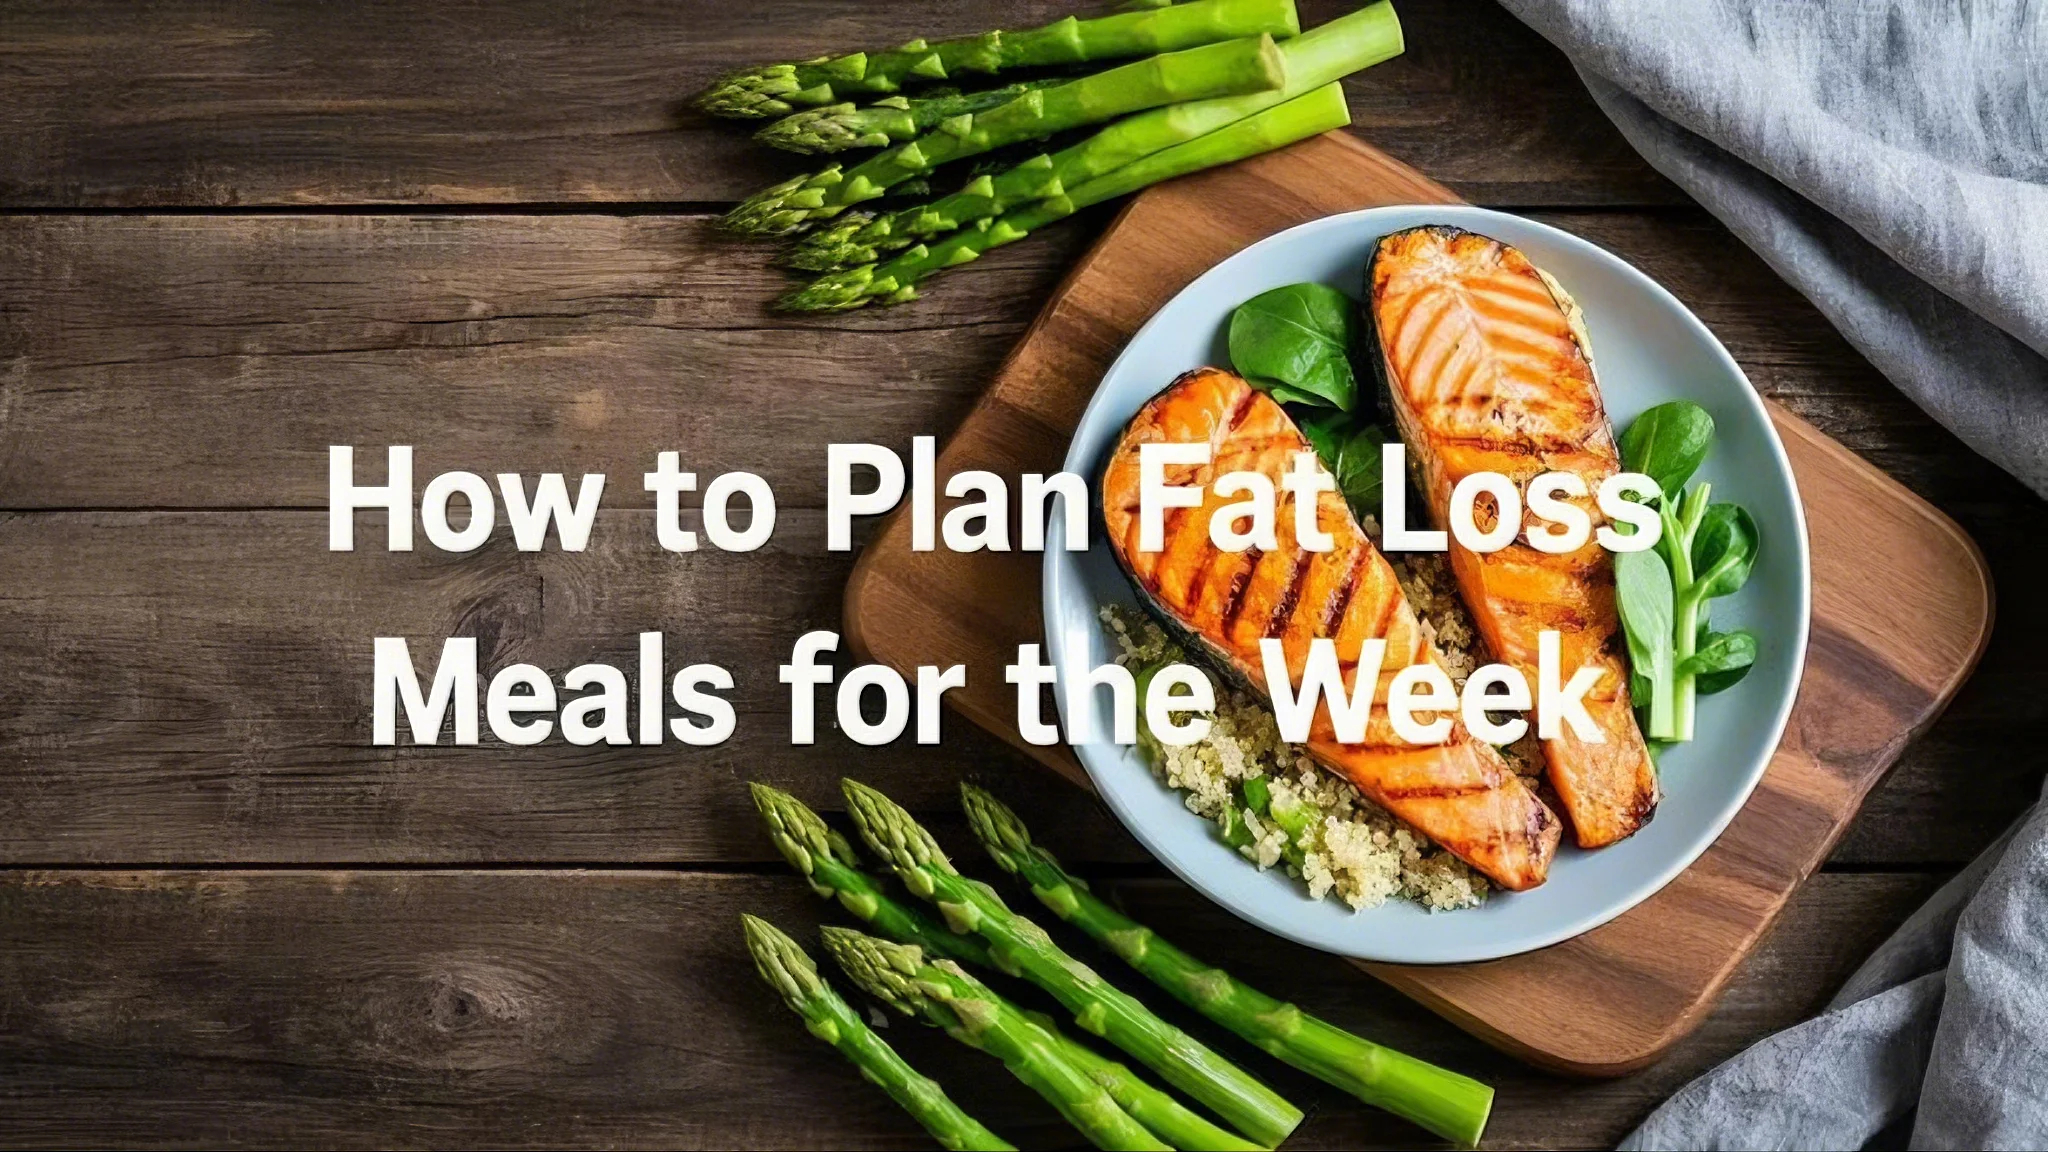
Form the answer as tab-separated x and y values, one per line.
1348	846
1345	845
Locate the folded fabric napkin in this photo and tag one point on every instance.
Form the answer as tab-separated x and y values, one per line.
1886	158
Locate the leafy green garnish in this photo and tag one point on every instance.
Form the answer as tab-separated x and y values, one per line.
1723	550
1257	796
1667	444
1352	454
1705	551
1295	342
1642	591
1721	660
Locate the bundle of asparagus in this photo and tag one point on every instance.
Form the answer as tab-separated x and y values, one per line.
1230	79
790	972
1452	1106
1442	1101
828	862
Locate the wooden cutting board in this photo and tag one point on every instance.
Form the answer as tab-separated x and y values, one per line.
1902	608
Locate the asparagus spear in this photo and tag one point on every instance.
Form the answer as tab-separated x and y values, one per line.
776	89
1160	1113
789	971
1319	56
1448	1104
828	862
890	120
1021	947
1233	66
895	281
943	995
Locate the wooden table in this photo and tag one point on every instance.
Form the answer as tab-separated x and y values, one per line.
233	234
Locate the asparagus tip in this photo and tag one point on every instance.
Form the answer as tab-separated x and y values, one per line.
882	969
998	828
834	248
814	130
781	961
751	93
833	292
800	834
892	832
782	209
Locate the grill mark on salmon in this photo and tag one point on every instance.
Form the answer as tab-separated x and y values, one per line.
1238	587
1276	625
1486	370
1339	600
1460	794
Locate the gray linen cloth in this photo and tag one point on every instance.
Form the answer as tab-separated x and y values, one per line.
1886	158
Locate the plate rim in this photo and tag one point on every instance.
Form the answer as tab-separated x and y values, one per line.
1051	584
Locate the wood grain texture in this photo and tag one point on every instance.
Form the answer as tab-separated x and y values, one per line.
197	362
222	103
1901	613
482	1009
195	687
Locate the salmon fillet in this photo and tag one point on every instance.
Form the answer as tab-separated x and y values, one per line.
1461	794
1488	371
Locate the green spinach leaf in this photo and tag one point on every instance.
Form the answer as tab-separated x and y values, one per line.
1296	343
1721	652
1723	551
1667	443
1352	454
1643	593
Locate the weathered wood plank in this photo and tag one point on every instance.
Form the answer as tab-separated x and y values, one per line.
210	103
208	362
510	1008
168	361
195	687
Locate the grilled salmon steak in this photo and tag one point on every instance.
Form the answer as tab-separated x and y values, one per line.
1488	370
1461	793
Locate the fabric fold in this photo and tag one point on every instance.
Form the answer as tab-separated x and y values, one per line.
1887	160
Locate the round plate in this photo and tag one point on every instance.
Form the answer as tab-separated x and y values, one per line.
1648	349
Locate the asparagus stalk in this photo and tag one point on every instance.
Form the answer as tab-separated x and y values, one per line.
788	970
895	281
1448	1104
943	995
1319	56
777	89
1231	67
890	120
828	862
1159	1112
1021	947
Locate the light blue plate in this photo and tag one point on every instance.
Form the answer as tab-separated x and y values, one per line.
1647	349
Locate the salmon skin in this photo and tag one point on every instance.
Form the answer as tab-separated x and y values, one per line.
1487	369
1461	794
